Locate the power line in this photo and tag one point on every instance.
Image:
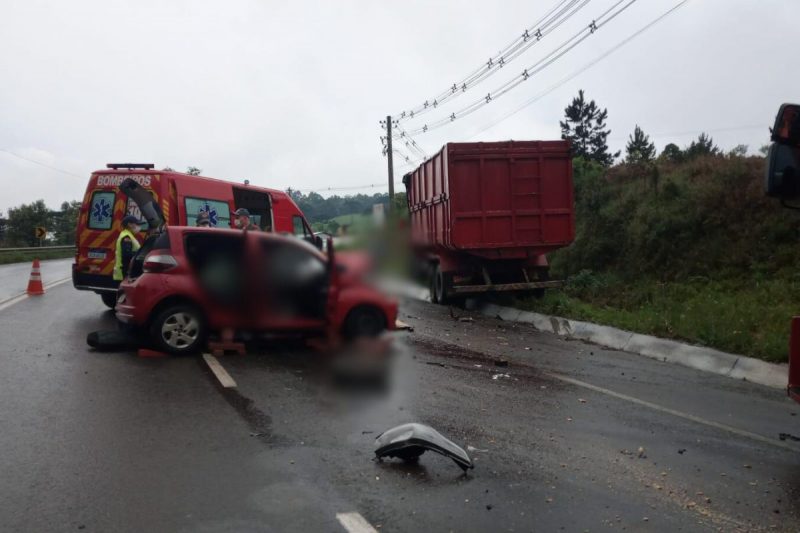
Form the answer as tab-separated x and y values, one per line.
584	68
411	143
697	131
527	39
347	187
41	164
537	67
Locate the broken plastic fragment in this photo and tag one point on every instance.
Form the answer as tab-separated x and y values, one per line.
409	441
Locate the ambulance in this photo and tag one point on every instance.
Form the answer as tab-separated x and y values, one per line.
180	197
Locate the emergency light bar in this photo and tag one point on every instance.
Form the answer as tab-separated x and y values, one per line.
145	166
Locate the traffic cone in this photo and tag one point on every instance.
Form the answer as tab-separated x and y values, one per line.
35	287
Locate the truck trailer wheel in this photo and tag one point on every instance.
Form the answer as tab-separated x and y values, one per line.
178	329
442	283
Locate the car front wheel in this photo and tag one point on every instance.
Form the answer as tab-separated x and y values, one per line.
178	329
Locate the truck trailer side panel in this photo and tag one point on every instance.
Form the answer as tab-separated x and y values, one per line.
498	199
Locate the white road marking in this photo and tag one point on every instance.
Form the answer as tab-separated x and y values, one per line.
11	301
5	304
219	371
353	522
686	416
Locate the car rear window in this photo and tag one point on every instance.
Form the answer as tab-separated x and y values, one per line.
101	210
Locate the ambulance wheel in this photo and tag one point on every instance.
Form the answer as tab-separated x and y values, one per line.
178	329
364	321
109	298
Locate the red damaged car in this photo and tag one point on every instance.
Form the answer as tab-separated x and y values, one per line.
186	282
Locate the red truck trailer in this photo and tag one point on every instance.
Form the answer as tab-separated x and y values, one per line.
484	215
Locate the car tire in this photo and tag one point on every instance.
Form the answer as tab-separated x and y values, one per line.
109	298
364	321
179	329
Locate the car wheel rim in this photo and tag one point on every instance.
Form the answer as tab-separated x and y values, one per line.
180	330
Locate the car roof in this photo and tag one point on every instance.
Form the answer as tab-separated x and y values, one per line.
264	235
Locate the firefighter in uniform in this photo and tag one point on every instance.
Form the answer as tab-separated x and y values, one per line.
242	220
127	246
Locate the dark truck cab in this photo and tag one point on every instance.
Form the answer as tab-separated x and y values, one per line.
782	181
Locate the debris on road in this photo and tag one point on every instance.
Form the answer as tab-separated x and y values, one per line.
788	436
402	326
581	400
641	453
466	319
409	441
111	340
435	363
498	376
501	363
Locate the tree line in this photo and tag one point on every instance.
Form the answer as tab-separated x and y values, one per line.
584	125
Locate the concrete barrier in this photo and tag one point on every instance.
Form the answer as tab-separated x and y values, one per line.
698	357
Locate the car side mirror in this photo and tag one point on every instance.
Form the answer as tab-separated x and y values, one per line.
787	125
782	179
318	242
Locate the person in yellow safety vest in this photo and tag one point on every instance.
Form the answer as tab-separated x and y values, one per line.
127	246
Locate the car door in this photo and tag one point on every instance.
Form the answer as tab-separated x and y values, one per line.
294	281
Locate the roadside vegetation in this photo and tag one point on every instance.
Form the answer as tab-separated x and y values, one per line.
28	256
684	245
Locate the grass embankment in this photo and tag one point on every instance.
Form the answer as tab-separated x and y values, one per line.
25	257
743	317
691	251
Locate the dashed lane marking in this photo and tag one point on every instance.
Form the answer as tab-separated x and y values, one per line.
686	416
219	371
5	304
353	522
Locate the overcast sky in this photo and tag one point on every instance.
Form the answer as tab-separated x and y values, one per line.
290	93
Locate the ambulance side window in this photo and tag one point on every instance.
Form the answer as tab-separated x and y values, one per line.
101	210
219	214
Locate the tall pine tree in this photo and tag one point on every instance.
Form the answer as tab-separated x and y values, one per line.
639	148
704	145
585	127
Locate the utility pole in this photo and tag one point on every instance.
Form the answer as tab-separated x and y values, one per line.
389	155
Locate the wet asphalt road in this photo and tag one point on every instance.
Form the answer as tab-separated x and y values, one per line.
567	437
14	277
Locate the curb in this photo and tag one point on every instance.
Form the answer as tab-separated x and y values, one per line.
697	357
